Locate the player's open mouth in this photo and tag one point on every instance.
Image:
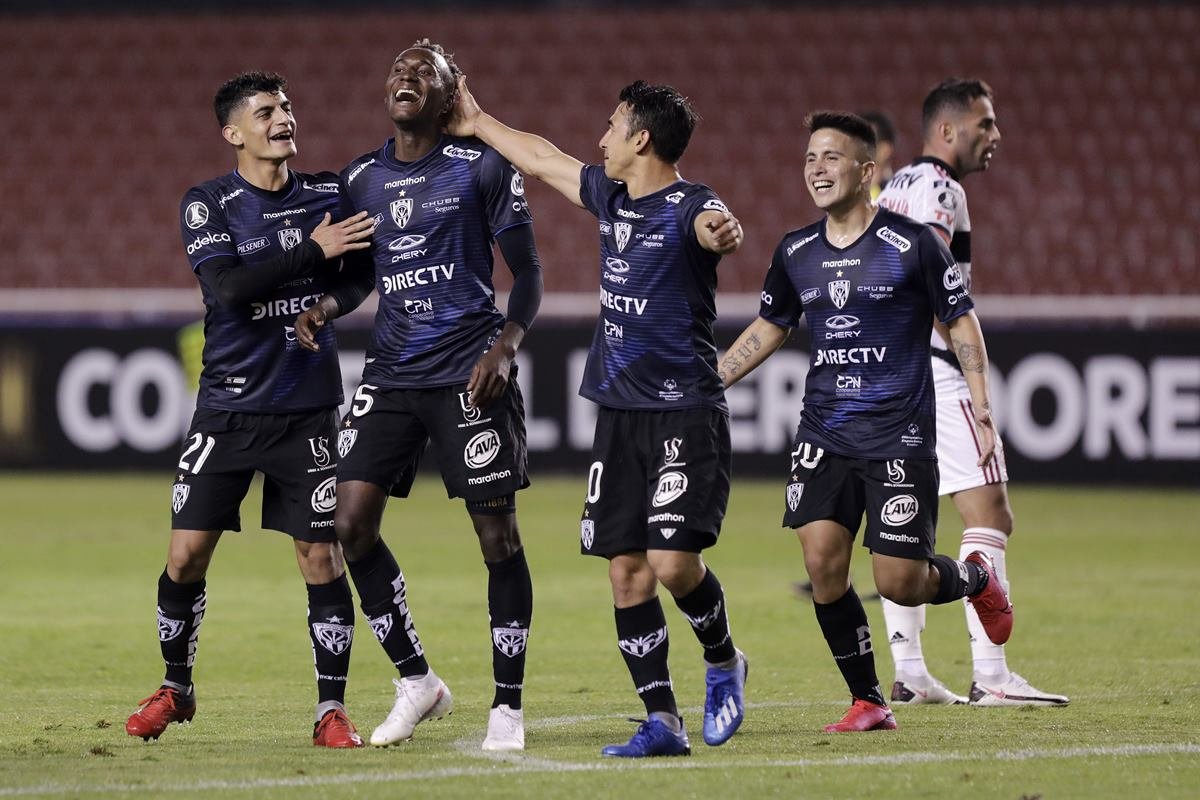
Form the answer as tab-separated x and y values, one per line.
406	96
283	136
822	185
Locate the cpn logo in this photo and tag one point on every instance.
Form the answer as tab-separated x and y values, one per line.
899	510
671	486
482	449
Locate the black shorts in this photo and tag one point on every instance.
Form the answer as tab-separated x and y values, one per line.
899	497
659	480
294	452
481	451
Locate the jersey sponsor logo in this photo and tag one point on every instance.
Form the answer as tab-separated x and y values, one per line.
948	201
674	197
715	205
289	307
877	291
510	640
899	537
407	242
324	497
639	646
952	278
587	533
517	184
605	228
621	212
913	438
321	187
767	298
290	237
168	628
613	331
671	453
794	492
461	152
840	322
354	173
346	439
841	262
225	198
319	446
808	295
894	239
396	184
201	242
617	265
333	637
848	385
478	480
665	517
470	412
287	213
402	211
422	276
442	205
381	626
899	510
623	303
245	248
794	246
895	470
849	355
482	449
179	496
671	392
839	292
671	486
195	215
622	230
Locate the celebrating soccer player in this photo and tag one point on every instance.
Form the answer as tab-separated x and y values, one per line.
659	480
869	283
261	244
439	367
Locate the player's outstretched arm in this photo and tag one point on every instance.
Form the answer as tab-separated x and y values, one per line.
528	152
759	340
966	340
718	232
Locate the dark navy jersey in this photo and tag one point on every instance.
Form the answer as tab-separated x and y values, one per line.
436	219
252	362
653	347
869	308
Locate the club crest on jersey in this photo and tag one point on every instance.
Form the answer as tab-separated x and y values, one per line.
319	445
290	237
402	211
179	496
380	626
839	292
639	646
622	231
794	492
510	641
346	439
587	533
168	628
195	215
334	638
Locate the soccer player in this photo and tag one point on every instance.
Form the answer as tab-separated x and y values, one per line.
885	147
659	479
261	243
869	283
440	367
961	137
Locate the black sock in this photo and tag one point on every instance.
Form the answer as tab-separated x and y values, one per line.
642	637
331	628
704	607
510	607
959	579
844	623
180	612
385	603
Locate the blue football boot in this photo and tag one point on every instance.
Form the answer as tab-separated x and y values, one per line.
653	738
724	703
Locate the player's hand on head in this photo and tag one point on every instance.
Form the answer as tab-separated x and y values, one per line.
352	233
307	325
465	111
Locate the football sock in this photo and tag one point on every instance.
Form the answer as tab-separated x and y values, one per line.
958	579
642	637
331	628
381	592
510	607
704	608
904	626
844	624
988	658
180	612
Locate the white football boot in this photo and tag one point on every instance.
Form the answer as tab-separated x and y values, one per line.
417	699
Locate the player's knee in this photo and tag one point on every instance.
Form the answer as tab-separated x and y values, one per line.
499	537
630	576
320	562
678	571
356	532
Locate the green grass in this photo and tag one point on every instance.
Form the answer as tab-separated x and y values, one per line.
1105	588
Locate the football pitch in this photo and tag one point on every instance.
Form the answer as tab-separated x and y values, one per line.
1106	592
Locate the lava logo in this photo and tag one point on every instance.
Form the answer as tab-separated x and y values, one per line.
671	486
324	497
899	510
482	449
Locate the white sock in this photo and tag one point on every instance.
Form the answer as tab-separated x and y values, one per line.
904	626
988	658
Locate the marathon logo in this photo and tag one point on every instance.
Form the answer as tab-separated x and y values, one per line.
422	276
899	537
622	303
841	262
491	476
288	213
849	355
291	307
404	182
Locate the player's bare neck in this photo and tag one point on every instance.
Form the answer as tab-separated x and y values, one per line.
843	226
413	145
649	178
269	176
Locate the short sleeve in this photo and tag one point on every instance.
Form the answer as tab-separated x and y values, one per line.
943	280
594	187
502	187
205	228
779	302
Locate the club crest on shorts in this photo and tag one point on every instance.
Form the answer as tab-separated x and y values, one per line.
622	231
380	626
346	439
794	492
168	628
639	646
179	496
510	641
587	533
402	211
334	638
839	292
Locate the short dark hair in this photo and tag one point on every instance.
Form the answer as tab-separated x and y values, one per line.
885	131
850	124
952	93
455	72
665	113
241	88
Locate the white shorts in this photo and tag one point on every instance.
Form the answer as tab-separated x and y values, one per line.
957	445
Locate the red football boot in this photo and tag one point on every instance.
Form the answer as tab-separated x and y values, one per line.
157	712
864	716
336	730
991	604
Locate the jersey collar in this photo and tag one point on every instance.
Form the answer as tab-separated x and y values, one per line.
937	162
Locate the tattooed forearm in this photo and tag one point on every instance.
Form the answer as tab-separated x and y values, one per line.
734	362
970	356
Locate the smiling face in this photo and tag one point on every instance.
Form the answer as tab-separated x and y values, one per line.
263	127
837	170
419	88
